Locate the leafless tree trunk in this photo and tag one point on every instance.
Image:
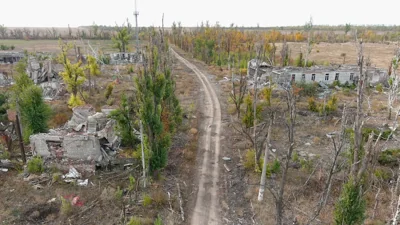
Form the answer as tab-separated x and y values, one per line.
266	154
291	103
359	114
393	83
258	59
284	53
396	217
237	96
337	148
308	28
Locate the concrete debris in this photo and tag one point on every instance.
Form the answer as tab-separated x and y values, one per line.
82	182
4	79
10	57
37	186
125	58
88	138
41	71
3	169
73	173
51	200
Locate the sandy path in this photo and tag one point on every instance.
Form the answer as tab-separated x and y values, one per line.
206	210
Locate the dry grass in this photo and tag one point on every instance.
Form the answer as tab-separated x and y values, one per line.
380	54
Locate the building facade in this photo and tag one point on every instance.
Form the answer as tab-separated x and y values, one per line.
325	74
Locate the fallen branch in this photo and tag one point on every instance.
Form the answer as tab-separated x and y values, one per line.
180	202
252	210
227	168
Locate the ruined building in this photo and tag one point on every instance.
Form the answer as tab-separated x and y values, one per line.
10	57
125	58
325	74
88	137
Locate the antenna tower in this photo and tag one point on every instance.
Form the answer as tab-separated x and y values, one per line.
136	13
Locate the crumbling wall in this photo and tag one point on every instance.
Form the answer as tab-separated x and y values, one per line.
85	147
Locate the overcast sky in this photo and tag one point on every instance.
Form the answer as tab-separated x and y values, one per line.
60	13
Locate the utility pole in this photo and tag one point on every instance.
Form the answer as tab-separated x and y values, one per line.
136	13
143	161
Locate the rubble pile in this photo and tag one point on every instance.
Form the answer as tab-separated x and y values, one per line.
125	58
41	71
4	80
45	74
88	138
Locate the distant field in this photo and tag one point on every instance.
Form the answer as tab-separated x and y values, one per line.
52	45
380	54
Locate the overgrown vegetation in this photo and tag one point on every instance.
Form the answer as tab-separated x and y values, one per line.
35	165
350	208
159	107
73	75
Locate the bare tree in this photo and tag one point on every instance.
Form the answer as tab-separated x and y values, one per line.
237	96
359	120
3	32
308	28
255	77
337	149
285	54
266	155
393	83
343	55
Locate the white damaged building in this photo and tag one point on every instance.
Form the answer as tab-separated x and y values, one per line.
325	74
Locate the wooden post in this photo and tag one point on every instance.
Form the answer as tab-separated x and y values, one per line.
21	141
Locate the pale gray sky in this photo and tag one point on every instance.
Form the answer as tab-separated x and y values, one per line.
60	13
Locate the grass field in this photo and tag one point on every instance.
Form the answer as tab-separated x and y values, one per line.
380	54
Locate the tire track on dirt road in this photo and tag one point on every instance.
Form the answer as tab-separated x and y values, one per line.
206	209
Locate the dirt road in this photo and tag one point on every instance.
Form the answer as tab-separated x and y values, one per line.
206	209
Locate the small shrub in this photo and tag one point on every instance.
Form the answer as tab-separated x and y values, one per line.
66	207
335	83
134	221
316	140
379	88
346	91
56	177
130	69
147	200
295	157
382	174
110	101
276	166
308	89
35	165
159	197
389	157
158	221
249	161
75	101
132	183
306	165
109	89
312	106
5	155
119	194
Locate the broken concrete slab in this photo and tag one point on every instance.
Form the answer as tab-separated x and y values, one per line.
58	146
